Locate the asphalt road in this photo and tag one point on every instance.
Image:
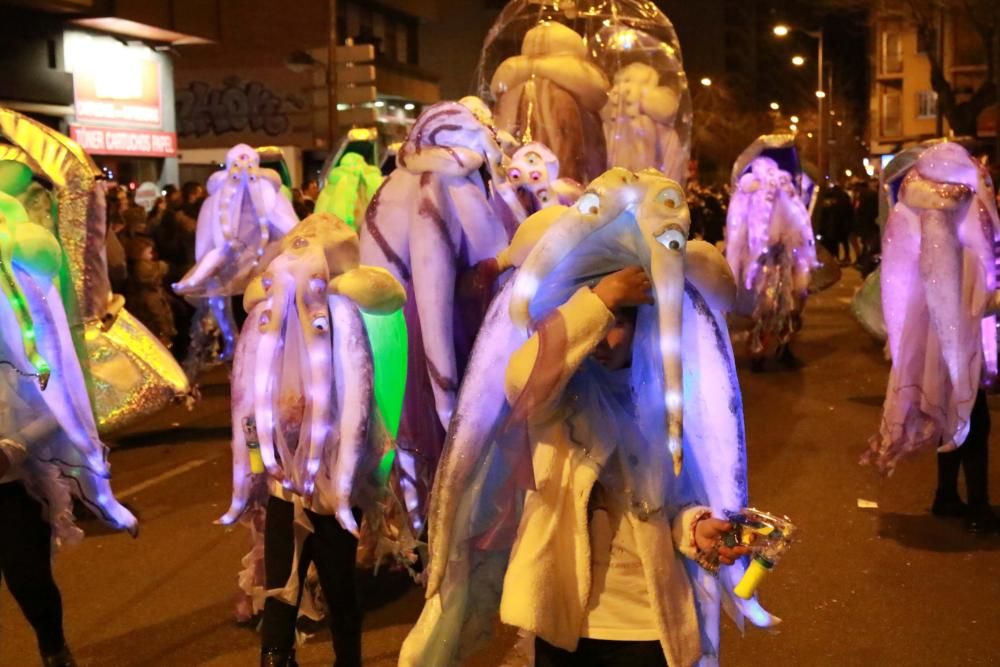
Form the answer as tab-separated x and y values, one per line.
885	586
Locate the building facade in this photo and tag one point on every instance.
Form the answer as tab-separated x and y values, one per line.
903	106
264	81
101	73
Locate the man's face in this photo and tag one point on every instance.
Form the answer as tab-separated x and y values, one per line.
311	190
615	351
196	195
174	199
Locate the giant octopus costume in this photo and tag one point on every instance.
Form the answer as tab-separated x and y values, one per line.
436	224
553	93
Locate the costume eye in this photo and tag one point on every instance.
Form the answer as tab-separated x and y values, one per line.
320	323
532	158
671	197
674	239
514	174
589	203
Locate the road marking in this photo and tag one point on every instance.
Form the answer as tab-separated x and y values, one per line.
152	481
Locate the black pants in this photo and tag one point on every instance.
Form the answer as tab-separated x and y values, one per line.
972	457
26	565
333	550
601	653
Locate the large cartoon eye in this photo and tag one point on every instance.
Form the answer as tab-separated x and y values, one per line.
589	203
320	322
514	174
671	197
673	239
533	158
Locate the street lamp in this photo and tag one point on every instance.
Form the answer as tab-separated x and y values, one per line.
793	127
775	106
798	61
705	81
794	119
782	30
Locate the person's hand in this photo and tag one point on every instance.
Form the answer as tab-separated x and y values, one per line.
622	289
708	534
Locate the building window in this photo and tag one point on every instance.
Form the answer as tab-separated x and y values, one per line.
891	49
927	104
891	101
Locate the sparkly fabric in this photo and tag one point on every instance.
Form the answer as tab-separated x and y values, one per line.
131	373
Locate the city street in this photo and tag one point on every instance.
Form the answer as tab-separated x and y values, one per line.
864	586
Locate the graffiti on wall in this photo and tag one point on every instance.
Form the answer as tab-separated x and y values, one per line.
234	106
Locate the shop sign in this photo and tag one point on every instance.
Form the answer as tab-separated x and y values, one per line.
118	141
114	83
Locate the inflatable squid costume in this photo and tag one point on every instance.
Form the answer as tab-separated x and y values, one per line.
769	241
938	288
436	224
303	371
683	445
240	222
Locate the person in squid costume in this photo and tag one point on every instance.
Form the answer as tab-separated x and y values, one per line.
770	245
349	187
938	297
534	171
639	123
553	93
128	373
240	222
436	224
50	451
303	403
529	446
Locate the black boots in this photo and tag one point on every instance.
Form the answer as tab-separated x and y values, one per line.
276	657
61	658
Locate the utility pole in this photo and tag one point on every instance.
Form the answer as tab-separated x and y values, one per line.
821	118
331	79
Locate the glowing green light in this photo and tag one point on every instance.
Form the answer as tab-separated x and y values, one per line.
385	467
388	337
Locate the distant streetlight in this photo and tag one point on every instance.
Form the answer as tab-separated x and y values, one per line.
848	173
809	134
840	123
775	106
409	106
705	81
794	119
793	127
782	30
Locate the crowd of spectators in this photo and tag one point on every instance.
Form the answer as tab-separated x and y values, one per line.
148	252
